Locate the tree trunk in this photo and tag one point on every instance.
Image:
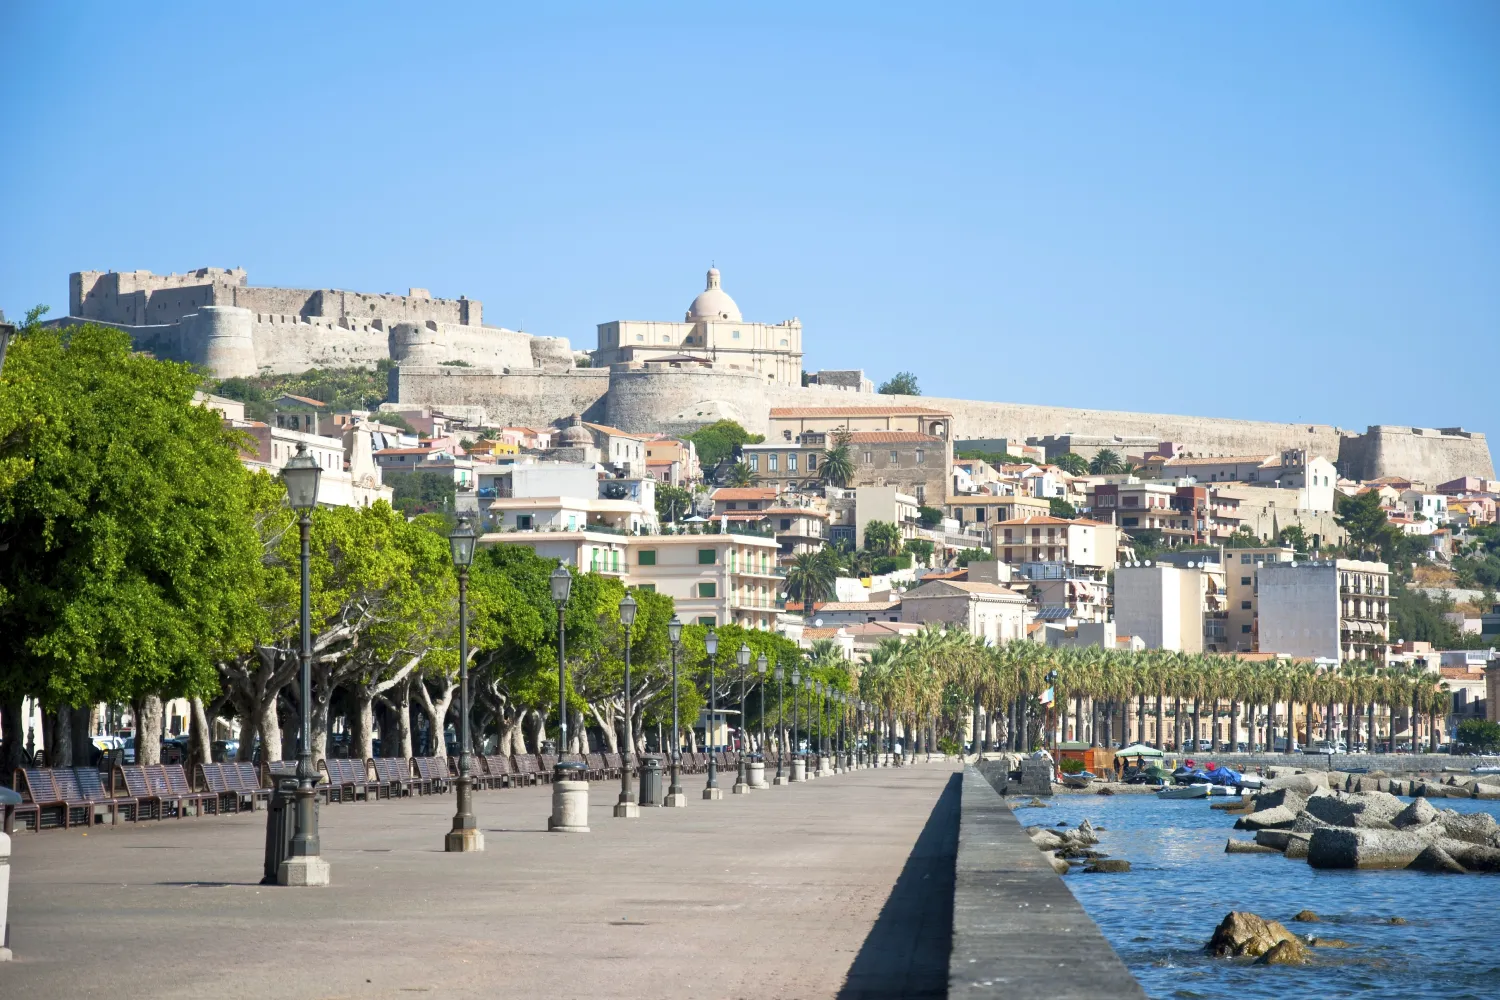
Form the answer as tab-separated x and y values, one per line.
1161	724
59	728
362	722
291	733
148	715
200	732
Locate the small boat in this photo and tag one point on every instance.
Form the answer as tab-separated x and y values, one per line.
1251	781
1485	769
1080	779
1221	789
1184	791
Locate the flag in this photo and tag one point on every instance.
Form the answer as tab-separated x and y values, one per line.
1047	697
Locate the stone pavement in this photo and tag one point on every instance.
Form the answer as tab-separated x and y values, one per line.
841	887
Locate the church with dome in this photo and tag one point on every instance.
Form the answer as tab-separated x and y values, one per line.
712	332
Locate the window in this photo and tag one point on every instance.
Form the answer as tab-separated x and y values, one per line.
649	588
708	589
1245	560
979	515
1245	629
1008	555
786	524
707	557
869	458
771	462
1131	522
735	335
921	456
614	560
895	456
1244	581
791	462
1007	536
709	620
812	462
572	522
785	342
1131	501
640	337
647	557
523	522
1244	605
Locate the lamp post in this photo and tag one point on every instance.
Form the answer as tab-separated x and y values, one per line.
780	726
742	778
305	866
761	666
675	798
570	795
465	835
796	748
562	584
627	808
712	789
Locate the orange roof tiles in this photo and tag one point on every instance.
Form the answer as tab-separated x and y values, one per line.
891	437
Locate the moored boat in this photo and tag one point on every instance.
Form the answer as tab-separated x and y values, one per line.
1199	791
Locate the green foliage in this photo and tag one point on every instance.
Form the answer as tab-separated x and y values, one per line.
739	475
1058	507
421	491
890	564
1072	463
1071	766
1479	565
810	578
455	364
921	549
1106	463
393	419
882	538
1478	734
950	746
124	518
900	384
1294	536
1244	538
1371	535
1146	543
930	517
838	464
973	555
340	388
673	503
720	441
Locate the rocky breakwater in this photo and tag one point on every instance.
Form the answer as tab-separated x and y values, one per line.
1331	828
1066	848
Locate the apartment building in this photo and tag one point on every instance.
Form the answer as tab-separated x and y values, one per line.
983	511
1134	506
989	610
917	463
1337	610
1240	569
1162	605
885	503
356	482
1078	541
712	579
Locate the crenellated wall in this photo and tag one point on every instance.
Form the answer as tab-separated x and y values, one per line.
1423	453
528	397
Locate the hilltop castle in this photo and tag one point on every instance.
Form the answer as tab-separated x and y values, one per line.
645	375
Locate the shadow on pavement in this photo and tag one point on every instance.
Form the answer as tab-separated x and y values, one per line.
906	952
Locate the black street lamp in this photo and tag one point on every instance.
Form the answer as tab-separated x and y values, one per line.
780	725
675	798
796	747
761	665
305	866
711	790
627	808
465	835
562	585
742	779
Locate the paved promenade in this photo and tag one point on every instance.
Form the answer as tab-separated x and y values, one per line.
831	889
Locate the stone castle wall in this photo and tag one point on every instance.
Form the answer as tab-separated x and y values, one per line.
1430	455
526	398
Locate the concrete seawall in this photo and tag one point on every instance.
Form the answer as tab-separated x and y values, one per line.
1018	933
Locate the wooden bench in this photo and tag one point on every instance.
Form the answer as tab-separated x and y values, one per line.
211	778
598	769
395	772
41	798
91	788
350	778
245	779
529	766
615	763
434	771
172	780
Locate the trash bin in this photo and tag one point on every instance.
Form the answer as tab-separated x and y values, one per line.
650	793
281	821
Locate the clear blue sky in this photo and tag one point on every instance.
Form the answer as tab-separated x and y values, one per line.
1275	210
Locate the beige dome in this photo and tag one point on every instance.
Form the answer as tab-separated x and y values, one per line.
713	302
575	435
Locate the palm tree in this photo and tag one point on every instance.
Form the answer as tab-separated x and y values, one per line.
739	474
810	578
1072	463
1106	463
882	538
838	465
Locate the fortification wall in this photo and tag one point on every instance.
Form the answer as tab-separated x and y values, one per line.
1430	455
659	397
530	397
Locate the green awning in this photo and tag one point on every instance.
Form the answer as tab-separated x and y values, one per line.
1138	750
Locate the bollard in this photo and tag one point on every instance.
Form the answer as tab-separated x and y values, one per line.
799	768
758	773
5	895
570	799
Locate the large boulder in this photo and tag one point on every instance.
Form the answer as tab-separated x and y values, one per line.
1434	859
1046	840
1473	857
1273	839
1306	782
1274	818
1363	847
1107	866
1373	810
1473	828
1232	846
1278	797
1419	813
1306	823
1246	935
1297	846
1289	952
1058	864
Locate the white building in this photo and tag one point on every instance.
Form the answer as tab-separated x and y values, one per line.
989	610
1162	605
1331	609
713	329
